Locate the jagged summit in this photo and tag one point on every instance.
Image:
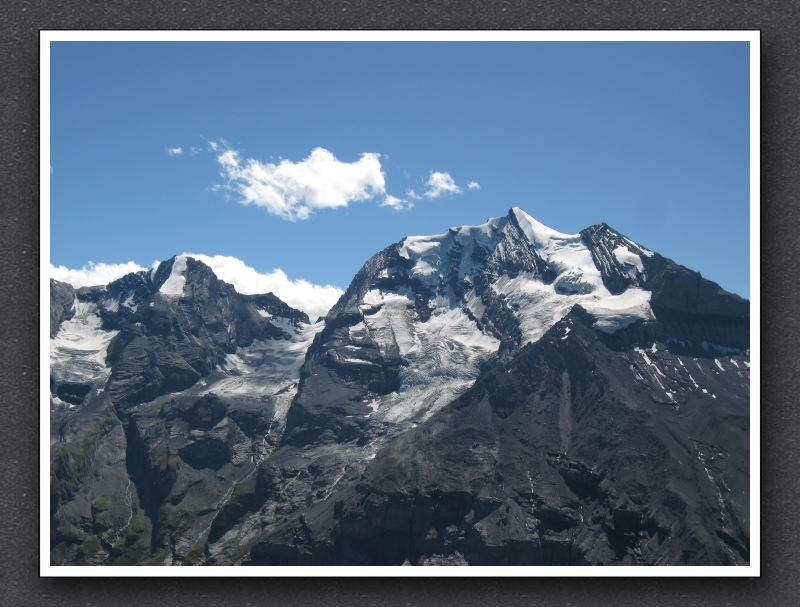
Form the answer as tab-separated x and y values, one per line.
178	316
184	276
474	267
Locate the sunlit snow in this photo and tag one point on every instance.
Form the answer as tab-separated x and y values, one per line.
78	351
173	286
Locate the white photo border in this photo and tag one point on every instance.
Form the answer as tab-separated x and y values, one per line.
753	569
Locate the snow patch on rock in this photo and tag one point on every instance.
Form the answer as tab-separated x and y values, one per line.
630	259
79	349
173	286
579	281
267	368
441	356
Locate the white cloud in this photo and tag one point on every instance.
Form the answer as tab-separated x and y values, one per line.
440	183
473	185
93	274
175	151
315	300
293	190
398	204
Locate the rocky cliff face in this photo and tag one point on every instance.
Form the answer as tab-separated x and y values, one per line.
570	451
497	394
168	388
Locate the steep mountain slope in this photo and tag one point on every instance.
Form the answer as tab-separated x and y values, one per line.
502	393
567	452
168	387
410	332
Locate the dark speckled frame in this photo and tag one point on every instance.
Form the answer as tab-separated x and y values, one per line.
20	22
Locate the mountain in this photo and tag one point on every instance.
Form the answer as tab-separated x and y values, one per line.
167	388
497	394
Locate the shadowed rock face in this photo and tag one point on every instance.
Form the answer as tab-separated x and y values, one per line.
497	394
206	413
687	305
184	392
61	297
565	453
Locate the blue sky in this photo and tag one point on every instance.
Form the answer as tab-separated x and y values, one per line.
651	138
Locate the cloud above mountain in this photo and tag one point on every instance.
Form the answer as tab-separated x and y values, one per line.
398	204
93	274
294	190
440	183
313	299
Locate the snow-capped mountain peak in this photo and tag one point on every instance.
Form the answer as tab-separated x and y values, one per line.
422	315
176	281
538	234
516	267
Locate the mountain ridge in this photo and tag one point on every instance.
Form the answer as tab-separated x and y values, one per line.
228	429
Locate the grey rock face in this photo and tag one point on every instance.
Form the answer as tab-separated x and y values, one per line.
177	393
568	452
61	297
361	356
496	394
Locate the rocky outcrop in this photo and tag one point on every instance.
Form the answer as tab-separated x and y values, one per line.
62	296
189	393
561	455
